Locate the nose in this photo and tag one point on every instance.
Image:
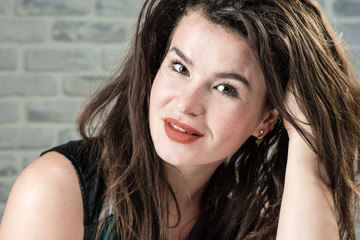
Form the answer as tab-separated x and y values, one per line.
191	100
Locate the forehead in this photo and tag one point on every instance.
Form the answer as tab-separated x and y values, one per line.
213	47
194	27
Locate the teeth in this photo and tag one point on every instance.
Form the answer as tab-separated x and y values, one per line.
179	128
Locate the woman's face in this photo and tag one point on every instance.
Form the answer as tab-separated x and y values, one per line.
208	95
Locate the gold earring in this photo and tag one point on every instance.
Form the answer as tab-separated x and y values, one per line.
260	138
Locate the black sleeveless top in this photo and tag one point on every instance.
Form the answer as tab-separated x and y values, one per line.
92	188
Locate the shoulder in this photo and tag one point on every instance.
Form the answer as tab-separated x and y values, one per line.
45	202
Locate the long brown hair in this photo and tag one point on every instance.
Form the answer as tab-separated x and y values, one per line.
297	47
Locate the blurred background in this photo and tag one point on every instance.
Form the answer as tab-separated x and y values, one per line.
54	53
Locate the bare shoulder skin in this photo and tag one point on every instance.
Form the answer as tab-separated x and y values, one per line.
45	202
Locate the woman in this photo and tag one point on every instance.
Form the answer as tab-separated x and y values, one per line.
227	120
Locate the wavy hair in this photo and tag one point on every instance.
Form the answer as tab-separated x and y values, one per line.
297	47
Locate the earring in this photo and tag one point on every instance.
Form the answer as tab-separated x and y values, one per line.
260	138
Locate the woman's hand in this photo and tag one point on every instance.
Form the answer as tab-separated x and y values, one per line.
307	208
294	109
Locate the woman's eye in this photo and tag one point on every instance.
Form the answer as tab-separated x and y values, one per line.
180	68
227	89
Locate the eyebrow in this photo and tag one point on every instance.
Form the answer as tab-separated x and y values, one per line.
234	76
181	55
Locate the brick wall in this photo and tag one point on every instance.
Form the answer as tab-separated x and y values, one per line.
53	53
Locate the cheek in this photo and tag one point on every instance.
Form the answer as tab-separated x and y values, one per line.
160	96
154	108
231	127
234	125
161	91
155	96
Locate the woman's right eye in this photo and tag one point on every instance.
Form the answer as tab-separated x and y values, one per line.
178	67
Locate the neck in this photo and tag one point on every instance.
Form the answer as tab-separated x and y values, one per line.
188	184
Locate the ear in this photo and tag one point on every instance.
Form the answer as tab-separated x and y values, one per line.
269	120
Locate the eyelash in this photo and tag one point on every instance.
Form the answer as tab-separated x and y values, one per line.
234	92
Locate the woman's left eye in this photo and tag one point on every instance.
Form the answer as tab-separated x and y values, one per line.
227	90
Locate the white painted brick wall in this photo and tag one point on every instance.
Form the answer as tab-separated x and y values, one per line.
53	53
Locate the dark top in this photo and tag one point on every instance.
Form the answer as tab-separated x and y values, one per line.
92	186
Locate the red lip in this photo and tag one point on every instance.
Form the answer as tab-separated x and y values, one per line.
191	134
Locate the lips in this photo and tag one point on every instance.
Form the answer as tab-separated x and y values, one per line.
181	132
